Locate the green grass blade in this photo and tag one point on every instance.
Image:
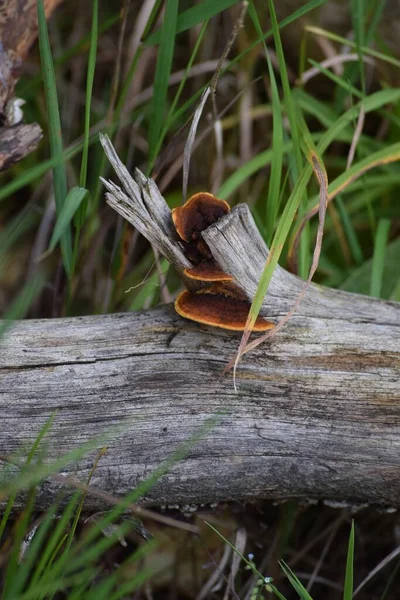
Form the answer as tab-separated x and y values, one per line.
82	502
55	134
79	48
32	452
385	156
351	44
44	561
295	163
22	303
335	132
287	92
358	17
358	12
89	88
72	203
301	12
49	588
32	477
81	213
395	295
126	86
295	581
150	21
161	78
378	259
33	552
294	200
16	229
274	186
314	107
192	17
348	578
250	564
41	435
209	8
359	280
169	119
242	174
343	83
40	169
377	12
351	235
20	529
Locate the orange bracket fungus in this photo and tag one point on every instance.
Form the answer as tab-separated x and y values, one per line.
198	213
221	304
220	309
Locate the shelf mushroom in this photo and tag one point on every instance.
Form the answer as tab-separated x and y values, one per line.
220	303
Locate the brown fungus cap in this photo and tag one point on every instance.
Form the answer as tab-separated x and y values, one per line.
218	310
207	270
198	213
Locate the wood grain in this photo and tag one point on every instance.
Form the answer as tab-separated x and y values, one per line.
317	412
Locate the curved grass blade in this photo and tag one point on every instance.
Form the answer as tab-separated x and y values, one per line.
321	175
89	88
351	235
55	133
348	578
378	259
351	44
274	186
359	281
72	203
32	452
192	17
308	7
22	303
295	581
385	156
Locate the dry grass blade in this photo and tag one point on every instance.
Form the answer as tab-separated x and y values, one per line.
218	171
322	177
321	559
356	137
176	164
118	60
199	110
378	568
190	141
240	545
333	62
216	575
388	155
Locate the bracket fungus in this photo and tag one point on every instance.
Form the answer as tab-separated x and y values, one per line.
218	309
219	302
198	213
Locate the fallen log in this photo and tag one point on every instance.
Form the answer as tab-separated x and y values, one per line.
316	415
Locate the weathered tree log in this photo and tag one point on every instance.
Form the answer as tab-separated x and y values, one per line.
316	415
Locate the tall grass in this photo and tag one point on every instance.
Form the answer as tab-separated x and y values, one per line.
152	104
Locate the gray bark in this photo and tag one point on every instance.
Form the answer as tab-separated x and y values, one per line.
316	415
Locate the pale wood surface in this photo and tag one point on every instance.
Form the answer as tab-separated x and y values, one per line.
317	414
